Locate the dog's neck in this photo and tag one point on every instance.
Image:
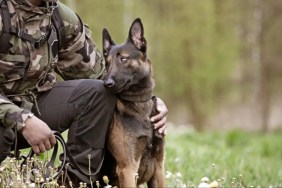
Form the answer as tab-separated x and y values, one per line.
137	101
136	97
138	93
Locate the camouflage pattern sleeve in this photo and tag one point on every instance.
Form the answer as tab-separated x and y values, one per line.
79	57
10	114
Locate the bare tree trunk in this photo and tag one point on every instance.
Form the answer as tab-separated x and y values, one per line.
127	14
261	90
255	37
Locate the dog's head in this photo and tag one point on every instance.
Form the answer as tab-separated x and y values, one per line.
127	64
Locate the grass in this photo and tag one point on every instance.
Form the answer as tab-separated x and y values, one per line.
233	159
246	159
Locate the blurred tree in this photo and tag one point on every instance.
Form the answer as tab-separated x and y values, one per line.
205	54
261	59
198	55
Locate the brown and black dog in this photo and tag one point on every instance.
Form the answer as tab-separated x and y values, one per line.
137	150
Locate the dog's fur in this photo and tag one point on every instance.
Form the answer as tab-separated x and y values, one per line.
137	150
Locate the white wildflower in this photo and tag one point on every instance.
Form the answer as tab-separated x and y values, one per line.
214	184
178	174
168	174
204	183
205	179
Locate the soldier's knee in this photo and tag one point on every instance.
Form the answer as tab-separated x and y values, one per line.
95	88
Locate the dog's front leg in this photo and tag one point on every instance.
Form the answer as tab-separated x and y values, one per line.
127	176
158	179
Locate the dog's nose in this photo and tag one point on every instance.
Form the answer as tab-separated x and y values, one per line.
109	83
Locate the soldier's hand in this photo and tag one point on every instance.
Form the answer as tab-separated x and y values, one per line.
38	135
159	120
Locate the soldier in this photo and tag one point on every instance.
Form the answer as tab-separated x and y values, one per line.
38	39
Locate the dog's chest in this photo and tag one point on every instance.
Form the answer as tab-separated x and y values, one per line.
133	134
136	128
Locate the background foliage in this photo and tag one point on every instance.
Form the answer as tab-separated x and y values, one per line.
217	62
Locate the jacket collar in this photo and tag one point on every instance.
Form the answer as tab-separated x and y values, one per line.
27	6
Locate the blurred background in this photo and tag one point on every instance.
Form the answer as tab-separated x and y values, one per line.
217	63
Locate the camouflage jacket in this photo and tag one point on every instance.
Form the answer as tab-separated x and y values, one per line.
26	68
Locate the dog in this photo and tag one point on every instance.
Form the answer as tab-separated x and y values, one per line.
135	150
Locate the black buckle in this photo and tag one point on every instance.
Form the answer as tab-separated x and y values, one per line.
39	42
20	32
36	44
51	5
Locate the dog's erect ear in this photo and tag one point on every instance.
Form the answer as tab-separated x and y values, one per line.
107	42
136	35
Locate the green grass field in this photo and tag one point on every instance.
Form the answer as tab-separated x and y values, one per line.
246	159
252	159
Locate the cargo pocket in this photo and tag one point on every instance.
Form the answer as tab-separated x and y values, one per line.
12	68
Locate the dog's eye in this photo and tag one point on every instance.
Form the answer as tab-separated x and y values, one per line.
123	59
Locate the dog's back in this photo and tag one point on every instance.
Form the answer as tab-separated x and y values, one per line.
137	149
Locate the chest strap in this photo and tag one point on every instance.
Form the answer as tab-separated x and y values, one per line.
27	37
5	36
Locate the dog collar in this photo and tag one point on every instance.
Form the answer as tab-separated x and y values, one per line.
132	97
